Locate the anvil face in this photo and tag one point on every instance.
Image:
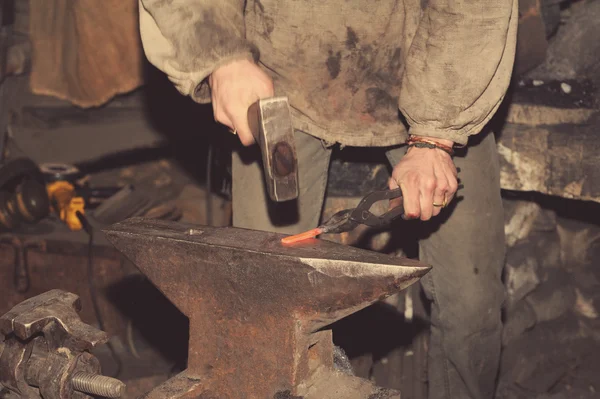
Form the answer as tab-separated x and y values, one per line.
256	307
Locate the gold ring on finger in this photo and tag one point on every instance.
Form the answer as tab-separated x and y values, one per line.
438	205
233	131
444	203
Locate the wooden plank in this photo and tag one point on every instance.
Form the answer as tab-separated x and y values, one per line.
556	160
540	115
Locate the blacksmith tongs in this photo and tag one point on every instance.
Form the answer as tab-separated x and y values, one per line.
349	219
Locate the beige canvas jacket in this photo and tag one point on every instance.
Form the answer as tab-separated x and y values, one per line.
348	66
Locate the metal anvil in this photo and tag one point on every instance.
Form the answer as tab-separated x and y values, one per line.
258	310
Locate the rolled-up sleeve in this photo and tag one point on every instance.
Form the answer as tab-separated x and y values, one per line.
188	39
458	67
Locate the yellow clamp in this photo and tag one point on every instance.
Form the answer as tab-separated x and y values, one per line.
65	204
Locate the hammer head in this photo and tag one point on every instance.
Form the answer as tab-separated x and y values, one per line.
271	123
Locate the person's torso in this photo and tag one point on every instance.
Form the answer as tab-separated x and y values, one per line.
339	61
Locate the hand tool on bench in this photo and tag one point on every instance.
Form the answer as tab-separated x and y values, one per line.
270	121
23	196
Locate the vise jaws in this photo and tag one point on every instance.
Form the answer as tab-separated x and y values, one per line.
44	351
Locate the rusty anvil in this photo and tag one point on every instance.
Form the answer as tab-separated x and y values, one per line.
258	311
270	121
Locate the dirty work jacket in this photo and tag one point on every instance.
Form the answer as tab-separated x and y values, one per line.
347	65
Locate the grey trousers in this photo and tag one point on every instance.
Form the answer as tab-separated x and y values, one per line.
464	244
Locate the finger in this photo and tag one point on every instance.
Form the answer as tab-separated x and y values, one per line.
395	202
440	194
448	176
239	118
452	188
410	194
221	116
426	189
452	185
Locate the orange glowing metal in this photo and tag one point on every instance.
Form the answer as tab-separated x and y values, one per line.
302	236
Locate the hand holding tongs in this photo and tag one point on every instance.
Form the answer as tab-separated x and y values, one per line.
349	219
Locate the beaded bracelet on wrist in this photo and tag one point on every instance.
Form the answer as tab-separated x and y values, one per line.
418	142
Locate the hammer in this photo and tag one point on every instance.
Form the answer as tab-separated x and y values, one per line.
270	121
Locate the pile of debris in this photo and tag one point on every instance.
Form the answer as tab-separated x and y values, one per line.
552	326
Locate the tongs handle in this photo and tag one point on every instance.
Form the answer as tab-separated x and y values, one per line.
367	202
363	215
